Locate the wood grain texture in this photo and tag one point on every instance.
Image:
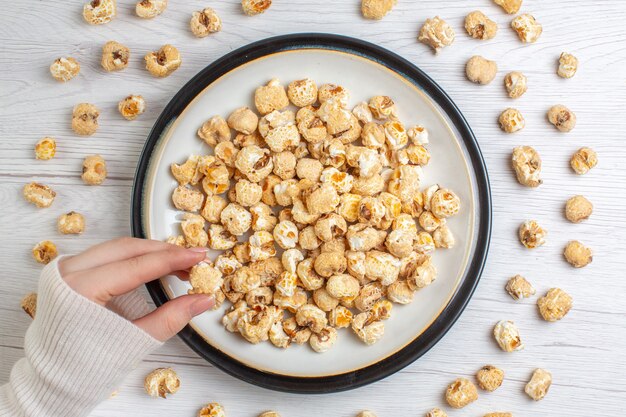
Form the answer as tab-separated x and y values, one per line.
584	352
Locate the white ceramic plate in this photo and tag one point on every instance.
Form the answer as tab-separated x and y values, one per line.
365	70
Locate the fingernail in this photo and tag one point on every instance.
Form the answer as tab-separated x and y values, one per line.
199	250
201	305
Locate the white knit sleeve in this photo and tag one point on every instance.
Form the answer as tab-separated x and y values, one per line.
77	352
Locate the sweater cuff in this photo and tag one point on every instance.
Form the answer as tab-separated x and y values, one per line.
78	350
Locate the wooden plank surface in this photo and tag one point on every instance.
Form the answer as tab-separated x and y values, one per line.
584	352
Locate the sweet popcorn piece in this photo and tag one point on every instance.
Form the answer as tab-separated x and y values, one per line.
270	97
323	340
269	414
205	22
214	131
443	237
515	84
555	304
64	69
236	219
368	333
205	279
163	62
147	9
527	28
507	336
193	230
583	160
436	412
489	378
562	118
376	9
479	26
212	410
568	64
115	56
29	304
45	148
85	119
366	413
254	7
511	120
99	12
161	381
436	33
255	163
373	135
509	6
335	92
577	209
220	238
539	384
527	165
518	288
330	263
480	70
302	92
248	193
531	235
94	170
40	195
44	252
445	203
461	393
187	199
286	234
577	254
131	107
382	108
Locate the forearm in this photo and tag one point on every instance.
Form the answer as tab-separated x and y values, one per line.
76	353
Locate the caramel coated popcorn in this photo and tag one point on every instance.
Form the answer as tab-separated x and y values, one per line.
577	254
436	33
147	9
554	305
577	209
507	336
479	26
94	170
99	12
489	378
568	65
44	252
527	28
161	382
212	410
131	107
40	195
45	149
509	6
376	9
518	287
436	412
64	69
461	393
71	223
29	304
480	70
163	62
205	22
583	160
511	120
254	7
315	211
516	84
527	165
539	384
85	119
115	56
531	235
562	118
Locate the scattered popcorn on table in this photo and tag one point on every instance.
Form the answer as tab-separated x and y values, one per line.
539	384
531	235
568	65
518	288
376	9
40	195
461	392
479	26
509	6
583	160
527	165
163	62
64	69
161	381
71	223
29	304
515	84
85	119
254	7
44	252
147	9
555	304
577	209
489	378
577	254
527	28
562	118
131	107
507	336
45	149
436	33
511	120
99	12
480	70
115	56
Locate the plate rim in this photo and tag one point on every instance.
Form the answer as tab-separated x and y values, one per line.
456	305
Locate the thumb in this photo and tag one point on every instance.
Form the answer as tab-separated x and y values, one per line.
169	319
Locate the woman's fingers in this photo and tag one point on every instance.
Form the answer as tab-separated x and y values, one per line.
110	251
103	282
169	319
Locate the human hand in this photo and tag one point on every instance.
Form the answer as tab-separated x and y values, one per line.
119	266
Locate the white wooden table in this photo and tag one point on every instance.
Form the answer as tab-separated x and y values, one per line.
586	352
